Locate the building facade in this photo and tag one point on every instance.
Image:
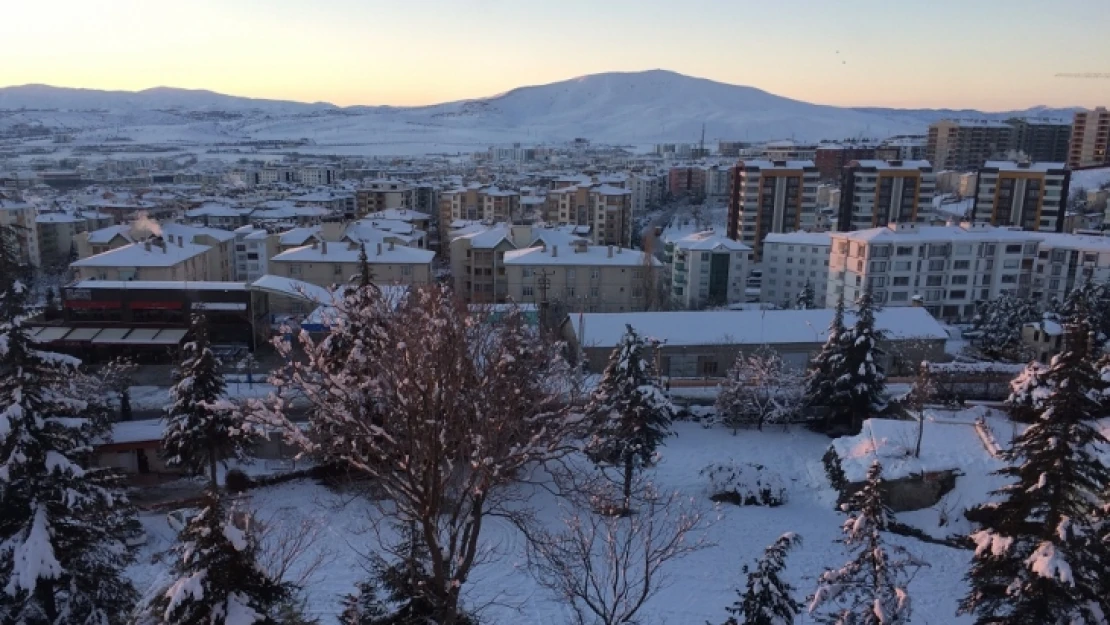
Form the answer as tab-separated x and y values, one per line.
707	269
1030	196
769	197
1041	139
1090	139
792	260
831	158
875	193
964	144
325	264
379	195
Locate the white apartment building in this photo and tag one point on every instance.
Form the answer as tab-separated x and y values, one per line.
717	182
583	277
707	269
252	252
647	191
946	269
1026	195
881	192
792	259
318	175
1064	261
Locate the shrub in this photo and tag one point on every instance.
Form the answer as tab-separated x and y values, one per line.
237	481
833	470
744	484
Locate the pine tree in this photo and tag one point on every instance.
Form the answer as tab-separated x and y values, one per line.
363	607
871	588
821	374
998	323
218	579
202	428
631	413
1093	299
768	600
62	522
858	381
1027	392
1038	558
805	297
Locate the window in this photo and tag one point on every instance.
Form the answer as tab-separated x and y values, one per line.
963	249
1010	264
637	291
570	292
904	250
595	274
571	275
961	265
1089	257
903	265
878	265
1057	270
707	365
959	279
526	272
1054	284
595	291
705	256
406	270
1059	256
957	295
934	280
901	281
1013	249
936	265
295	269
1009	279
899	296
526	291
638	274
337	269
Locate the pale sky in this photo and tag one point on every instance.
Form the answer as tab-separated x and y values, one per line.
987	54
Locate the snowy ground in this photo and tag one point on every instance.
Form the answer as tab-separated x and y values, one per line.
702	585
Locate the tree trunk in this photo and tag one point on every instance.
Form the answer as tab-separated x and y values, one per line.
920	433
212	476
44	593
628	466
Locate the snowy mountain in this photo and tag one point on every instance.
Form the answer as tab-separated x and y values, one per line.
627	107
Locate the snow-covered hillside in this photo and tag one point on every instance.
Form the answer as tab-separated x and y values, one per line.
633	108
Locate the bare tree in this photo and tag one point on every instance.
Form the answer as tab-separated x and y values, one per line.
441	408
760	389
607	567
290	550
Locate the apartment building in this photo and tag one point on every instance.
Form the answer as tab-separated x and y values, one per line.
875	193
716	182
964	144
790	261
770	196
153	259
946	269
789	151
647	191
1065	261
57	234
488	203
604	209
902	148
1041	139
832	158
583	277
1090	139
332	203
382	194
1030	196
325	264
686	181
113	237
252	252
318	175
477	263
22	218
707	269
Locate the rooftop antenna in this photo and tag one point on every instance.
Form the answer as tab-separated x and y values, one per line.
701	144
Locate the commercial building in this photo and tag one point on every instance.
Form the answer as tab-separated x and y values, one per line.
1090	139
945	269
770	196
875	193
707	269
964	144
792	260
1041	139
1030	196
583	278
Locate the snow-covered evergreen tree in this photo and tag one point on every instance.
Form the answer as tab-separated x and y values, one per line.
871	588
858	380
821	374
998	324
363	607
805	297
1093	300
1038	558
63	523
1027	392
631	413
768	599
218	580
202	427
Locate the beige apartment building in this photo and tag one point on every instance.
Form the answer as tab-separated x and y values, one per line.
875	193
477	264
1090	139
1030	196
219	258
488	203
325	264
160	259
380	195
603	208
770	197
965	144
583	277
57	234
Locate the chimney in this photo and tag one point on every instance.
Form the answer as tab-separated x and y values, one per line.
554	251
379	249
391	246
324	247
610	251
146	245
165	248
618	249
315	243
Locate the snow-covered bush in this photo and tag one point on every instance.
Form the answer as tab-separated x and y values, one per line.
745	484
833	470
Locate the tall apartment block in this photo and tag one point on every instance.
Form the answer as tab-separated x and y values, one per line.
876	193
831	158
605	210
1090	138
1031	196
1041	139
964	144
770	196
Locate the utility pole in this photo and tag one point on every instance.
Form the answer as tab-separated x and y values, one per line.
543	282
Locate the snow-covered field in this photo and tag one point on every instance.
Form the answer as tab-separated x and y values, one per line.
702	585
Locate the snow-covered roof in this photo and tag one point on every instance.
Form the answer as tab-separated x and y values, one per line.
882	165
1015	166
292	288
1082	242
57	218
751	327
942	234
137	255
487	238
605	189
399	214
709	240
593	255
766	164
799	238
169	285
298	236
342	253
